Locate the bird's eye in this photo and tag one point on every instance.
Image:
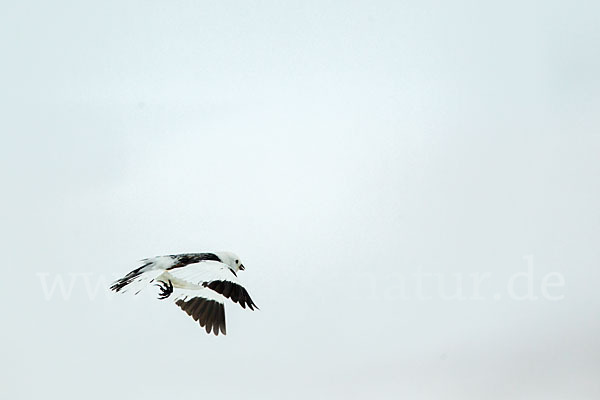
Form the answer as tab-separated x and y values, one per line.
237	261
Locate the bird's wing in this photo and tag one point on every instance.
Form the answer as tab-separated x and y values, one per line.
217	277
204	306
181	260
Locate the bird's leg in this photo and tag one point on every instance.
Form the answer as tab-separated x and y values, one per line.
165	289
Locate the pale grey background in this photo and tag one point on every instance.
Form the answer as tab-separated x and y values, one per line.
329	144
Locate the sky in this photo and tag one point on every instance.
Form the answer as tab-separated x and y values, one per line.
413	187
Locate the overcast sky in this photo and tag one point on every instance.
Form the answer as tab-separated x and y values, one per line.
413	187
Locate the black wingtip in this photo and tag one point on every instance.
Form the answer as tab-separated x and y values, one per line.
120	284
210	314
233	291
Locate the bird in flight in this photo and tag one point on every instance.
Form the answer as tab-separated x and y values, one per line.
199	283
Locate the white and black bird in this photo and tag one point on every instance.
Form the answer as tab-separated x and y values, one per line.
199	283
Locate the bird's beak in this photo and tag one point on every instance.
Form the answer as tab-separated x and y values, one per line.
242	267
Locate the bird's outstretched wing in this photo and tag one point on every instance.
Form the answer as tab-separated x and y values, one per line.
204	306
217	277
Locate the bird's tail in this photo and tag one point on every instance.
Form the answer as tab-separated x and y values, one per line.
137	279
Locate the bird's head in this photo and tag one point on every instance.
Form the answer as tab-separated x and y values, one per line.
232	260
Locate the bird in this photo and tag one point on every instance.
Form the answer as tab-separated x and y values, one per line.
199	283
